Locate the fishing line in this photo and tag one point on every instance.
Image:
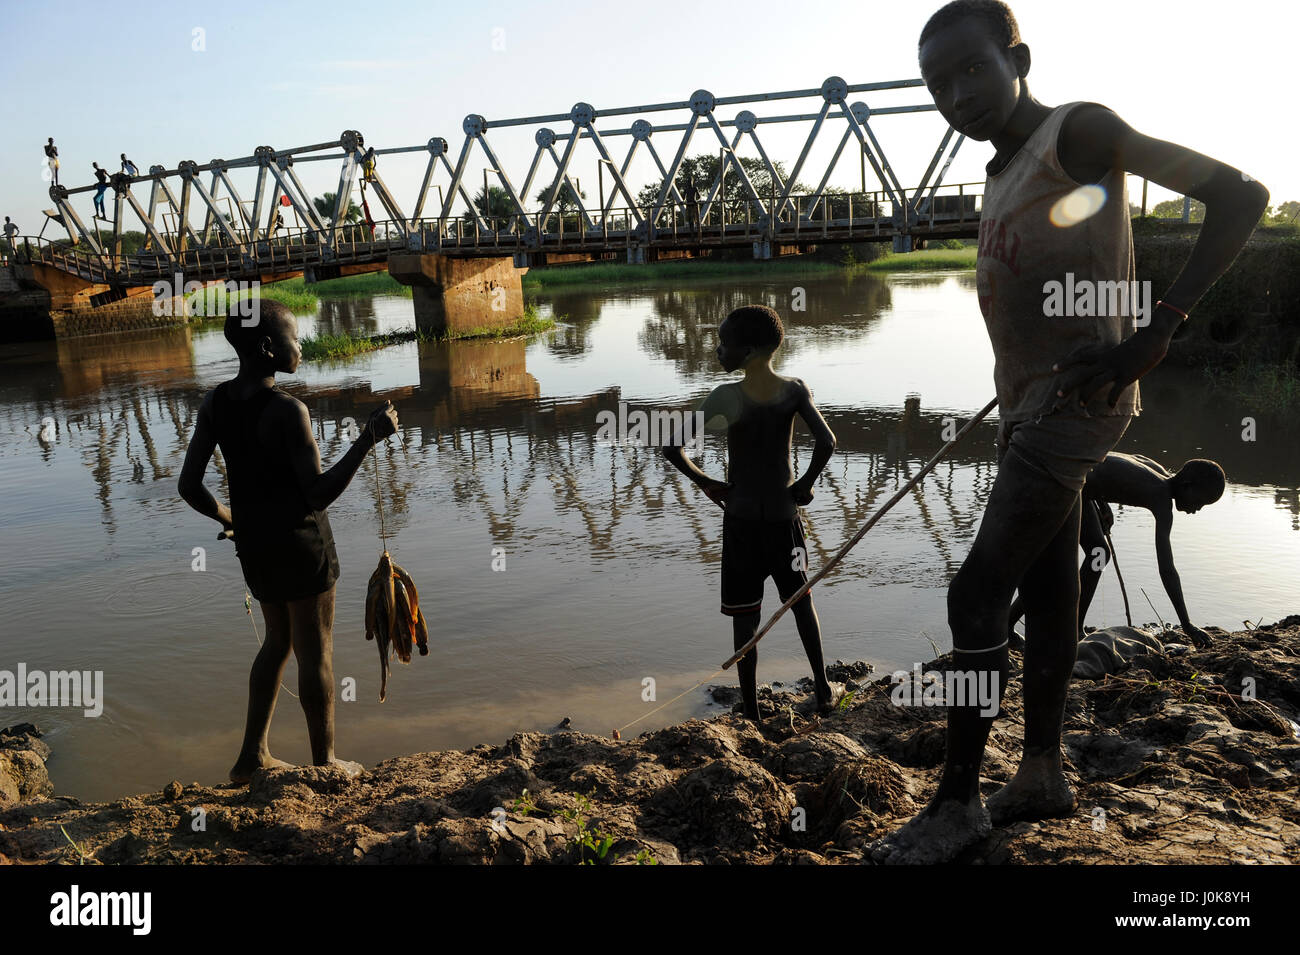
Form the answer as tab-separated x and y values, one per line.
379	496
248	609
692	689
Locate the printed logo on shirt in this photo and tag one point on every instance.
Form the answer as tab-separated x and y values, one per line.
995	243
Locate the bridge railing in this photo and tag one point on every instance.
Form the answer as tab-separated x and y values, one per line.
803	217
37	250
838	216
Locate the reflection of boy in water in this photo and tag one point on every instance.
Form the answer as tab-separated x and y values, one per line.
761	532
1137	481
278	497
1066	387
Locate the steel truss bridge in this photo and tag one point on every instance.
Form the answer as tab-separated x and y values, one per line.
768	216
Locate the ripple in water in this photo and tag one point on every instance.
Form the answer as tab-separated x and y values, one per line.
151	595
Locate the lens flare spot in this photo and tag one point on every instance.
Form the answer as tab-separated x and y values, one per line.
1084	202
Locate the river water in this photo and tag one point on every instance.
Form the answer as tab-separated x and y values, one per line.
611	557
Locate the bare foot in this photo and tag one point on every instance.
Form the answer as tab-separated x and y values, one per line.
243	769
826	702
934	835
1038	791
349	767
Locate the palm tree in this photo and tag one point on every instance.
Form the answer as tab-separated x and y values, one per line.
566	202
498	208
324	204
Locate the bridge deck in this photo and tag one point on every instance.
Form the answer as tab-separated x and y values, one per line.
300	250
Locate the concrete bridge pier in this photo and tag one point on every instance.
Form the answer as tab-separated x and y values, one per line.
458	296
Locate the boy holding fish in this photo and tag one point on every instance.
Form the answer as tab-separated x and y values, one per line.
277	518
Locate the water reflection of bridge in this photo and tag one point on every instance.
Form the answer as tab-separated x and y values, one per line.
477	424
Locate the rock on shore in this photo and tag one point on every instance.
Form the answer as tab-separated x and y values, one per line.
1169	762
22	765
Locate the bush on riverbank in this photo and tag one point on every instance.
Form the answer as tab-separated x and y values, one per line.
1271	387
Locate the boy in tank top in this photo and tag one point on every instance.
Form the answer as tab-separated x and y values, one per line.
277	519
1055	215
762	534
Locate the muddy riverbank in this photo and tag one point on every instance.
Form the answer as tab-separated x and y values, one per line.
1171	761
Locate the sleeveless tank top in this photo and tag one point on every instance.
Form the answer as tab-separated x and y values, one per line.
758	456
286	549
1033	323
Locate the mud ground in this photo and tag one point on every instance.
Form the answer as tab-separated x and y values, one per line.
1169	763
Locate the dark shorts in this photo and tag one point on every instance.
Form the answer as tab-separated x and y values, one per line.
752	551
292	565
1064	448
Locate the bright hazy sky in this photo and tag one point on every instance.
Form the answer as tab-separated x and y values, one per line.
109	78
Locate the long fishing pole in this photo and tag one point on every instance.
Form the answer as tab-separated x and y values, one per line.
898	496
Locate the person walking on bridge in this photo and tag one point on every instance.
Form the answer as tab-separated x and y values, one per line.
52	159
102	176
11	230
692	204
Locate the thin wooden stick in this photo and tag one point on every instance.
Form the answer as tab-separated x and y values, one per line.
1123	592
1163	626
898	496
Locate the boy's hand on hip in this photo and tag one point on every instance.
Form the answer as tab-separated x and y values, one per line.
801	493
1119	366
717	492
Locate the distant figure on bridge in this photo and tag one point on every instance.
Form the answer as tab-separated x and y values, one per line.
1066	388
52	159
762	534
102	176
277	225
277	515
11	230
1138	481
368	165
692	196
129	167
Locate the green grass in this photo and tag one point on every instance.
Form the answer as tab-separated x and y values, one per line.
298	296
1273	387
371	283
611	272
615	272
337	347
924	260
295	299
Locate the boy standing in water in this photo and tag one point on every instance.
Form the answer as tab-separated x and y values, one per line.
278	497
1066	386
762	534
